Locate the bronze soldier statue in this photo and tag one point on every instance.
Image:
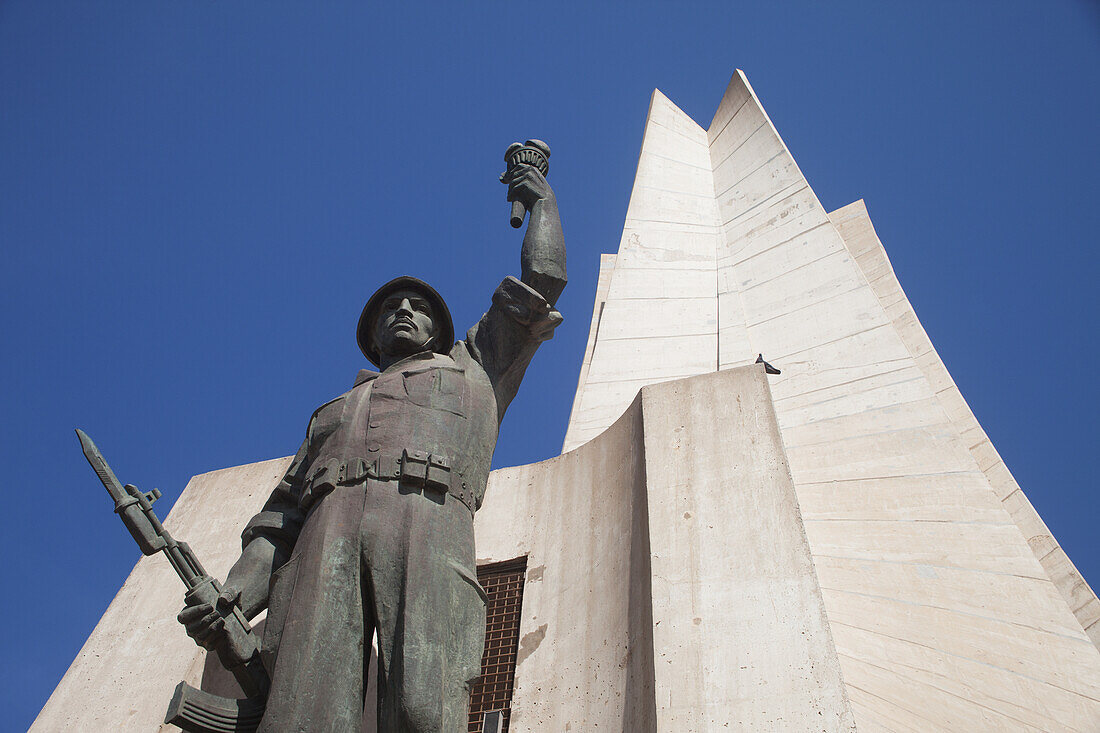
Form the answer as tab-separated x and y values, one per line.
371	528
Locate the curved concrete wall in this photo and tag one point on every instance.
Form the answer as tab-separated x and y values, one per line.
585	658
670	584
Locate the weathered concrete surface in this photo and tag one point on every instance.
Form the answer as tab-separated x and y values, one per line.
585	658
670	585
942	587
659	320
740	632
603	283
854	225
918	560
123	677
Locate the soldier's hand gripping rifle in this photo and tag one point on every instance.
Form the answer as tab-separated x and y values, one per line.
191	709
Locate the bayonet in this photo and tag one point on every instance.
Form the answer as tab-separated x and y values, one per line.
130	504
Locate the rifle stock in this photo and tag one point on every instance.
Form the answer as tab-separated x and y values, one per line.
195	710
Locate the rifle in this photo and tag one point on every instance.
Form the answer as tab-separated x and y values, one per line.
190	709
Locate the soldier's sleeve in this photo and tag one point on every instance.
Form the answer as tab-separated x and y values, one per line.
506	337
281	520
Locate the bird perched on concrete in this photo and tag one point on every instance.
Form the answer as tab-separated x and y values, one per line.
768	368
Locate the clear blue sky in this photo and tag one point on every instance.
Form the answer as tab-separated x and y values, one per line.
196	199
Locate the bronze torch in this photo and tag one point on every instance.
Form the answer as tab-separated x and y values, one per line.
533	152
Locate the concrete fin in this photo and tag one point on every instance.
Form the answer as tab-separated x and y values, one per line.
603	282
892	480
858	414
711	592
659	317
855	226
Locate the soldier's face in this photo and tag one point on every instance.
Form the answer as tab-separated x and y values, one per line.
406	324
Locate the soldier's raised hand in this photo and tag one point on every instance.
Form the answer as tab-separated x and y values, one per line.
527	185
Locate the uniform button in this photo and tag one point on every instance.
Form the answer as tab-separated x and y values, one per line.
373	447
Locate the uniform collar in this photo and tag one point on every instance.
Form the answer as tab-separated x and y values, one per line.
365	375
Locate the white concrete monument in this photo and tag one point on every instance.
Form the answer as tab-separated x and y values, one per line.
837	547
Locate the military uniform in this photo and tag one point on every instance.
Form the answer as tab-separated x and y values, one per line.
376	511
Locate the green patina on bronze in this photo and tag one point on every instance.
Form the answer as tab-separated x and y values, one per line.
371	528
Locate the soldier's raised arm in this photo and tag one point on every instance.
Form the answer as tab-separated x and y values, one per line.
522	314
542	259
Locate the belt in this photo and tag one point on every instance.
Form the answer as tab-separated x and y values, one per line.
413	468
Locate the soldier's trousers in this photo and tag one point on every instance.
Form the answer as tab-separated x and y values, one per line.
382	557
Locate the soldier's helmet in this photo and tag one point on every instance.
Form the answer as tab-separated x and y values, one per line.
441	315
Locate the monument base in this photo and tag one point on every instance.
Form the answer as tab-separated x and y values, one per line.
669	584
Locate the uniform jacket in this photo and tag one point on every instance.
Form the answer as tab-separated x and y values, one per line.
429	420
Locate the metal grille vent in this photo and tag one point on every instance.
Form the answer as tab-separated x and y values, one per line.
503	583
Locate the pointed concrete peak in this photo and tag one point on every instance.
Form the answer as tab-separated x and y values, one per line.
737	92
664	116
660	100
664	113
855	209
657	98
659	95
